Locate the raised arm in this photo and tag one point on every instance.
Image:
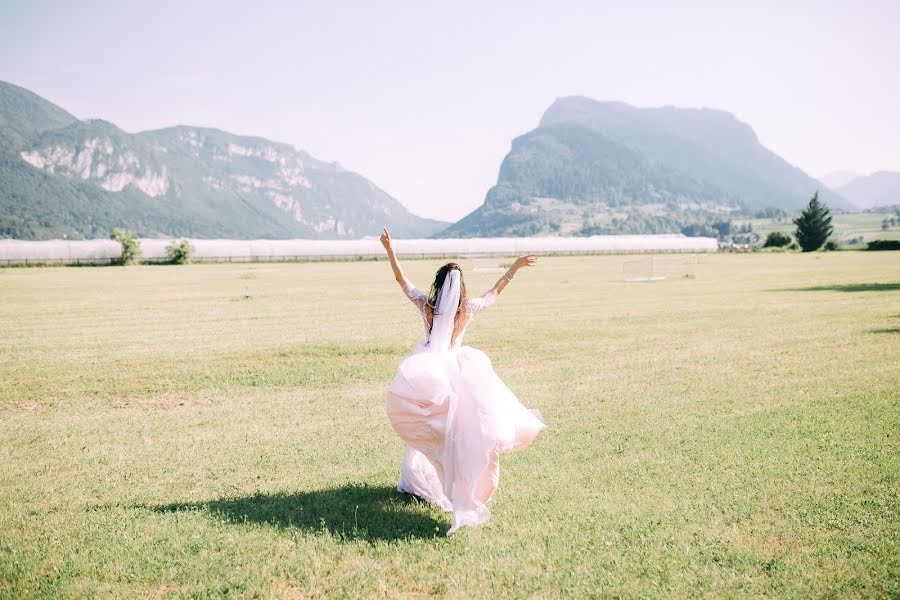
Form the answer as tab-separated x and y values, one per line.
528	260
395	264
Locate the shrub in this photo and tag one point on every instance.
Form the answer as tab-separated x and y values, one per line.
131	246
832	245
884	245
777	239
179	252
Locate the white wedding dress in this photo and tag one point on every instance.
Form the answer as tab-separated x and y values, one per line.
455	414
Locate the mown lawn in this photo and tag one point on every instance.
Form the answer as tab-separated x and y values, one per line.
219	430
847	226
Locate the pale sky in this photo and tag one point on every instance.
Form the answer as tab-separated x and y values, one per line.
424	98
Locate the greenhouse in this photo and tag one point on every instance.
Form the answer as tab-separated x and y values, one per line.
106	251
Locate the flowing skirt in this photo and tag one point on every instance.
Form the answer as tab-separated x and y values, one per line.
456	417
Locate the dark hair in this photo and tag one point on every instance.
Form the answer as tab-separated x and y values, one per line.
460	319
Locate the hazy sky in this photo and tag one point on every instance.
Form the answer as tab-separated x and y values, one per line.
424	97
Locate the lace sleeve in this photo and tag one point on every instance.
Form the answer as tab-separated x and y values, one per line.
476	305
415	295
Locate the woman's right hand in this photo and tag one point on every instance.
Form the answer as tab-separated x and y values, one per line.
527	260
386	239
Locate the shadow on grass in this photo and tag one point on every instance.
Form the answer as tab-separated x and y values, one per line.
886	330
848	287
349	512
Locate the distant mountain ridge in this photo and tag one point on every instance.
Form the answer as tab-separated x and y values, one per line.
607	167
881	188
836	179
24	114
60	176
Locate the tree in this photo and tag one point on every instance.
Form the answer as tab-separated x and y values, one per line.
699	230
723	228
131	247
813	225
179	252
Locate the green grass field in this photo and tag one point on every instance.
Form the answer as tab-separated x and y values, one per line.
847	227
219	431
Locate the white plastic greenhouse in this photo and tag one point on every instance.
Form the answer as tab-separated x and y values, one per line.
105	251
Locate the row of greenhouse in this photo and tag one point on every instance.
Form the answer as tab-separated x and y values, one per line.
153	249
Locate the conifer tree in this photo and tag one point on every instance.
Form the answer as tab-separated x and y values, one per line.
813	225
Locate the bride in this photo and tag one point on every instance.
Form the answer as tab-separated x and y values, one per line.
449	406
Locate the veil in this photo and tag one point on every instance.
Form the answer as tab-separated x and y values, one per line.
445	313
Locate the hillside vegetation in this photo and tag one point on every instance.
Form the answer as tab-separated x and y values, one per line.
61	177
605	167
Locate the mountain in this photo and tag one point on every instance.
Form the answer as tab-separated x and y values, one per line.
24	114
878	189
836	179
60	176
606	167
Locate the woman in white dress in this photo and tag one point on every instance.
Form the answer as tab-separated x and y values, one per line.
447	403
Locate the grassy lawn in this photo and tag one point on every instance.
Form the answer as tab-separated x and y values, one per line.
846	227
219	430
